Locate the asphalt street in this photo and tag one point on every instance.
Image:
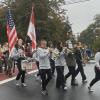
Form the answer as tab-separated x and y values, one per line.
9	91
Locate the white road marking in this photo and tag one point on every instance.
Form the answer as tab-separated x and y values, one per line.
10	79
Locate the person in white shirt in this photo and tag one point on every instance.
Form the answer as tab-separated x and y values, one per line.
18	55
59	64
44	65
97	70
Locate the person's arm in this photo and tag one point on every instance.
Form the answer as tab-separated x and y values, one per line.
60	53
34	56
50	55
42	54
15	54
5	52
66	54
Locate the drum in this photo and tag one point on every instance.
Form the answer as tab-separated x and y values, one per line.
25	65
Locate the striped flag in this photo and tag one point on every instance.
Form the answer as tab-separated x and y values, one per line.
11	31
31	31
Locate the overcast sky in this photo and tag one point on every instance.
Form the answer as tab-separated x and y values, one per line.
82	14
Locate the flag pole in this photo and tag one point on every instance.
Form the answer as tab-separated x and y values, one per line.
7	11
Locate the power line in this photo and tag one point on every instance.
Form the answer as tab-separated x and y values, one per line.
72	2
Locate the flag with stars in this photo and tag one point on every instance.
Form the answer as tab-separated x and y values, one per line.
11	31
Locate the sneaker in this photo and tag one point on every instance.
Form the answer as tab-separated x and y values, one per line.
2	73
24	85
37	77
17	82
45	92
85	80
10	76
26	73
7	72
65	88
74	84
90	90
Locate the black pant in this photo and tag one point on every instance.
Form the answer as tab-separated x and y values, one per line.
97	77
43	76
81	70
20	72
52	63
1	66
37	63
60	81
71	72
4	62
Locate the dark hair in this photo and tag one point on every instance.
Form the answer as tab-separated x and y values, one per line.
58	46
37	45
98	49
78	43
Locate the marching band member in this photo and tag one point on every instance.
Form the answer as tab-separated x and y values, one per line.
97	70
36	57
52	62
18	54
59	63
79	60
44	65
71	63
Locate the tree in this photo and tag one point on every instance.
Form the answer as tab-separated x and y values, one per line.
89	35
49	18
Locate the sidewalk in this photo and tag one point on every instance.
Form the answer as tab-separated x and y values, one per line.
4	76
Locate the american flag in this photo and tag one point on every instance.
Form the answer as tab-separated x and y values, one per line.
11	31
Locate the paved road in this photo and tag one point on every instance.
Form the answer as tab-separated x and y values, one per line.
9	91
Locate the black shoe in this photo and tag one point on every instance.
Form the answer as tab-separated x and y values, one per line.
7	72
74	84
45	92
10	76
